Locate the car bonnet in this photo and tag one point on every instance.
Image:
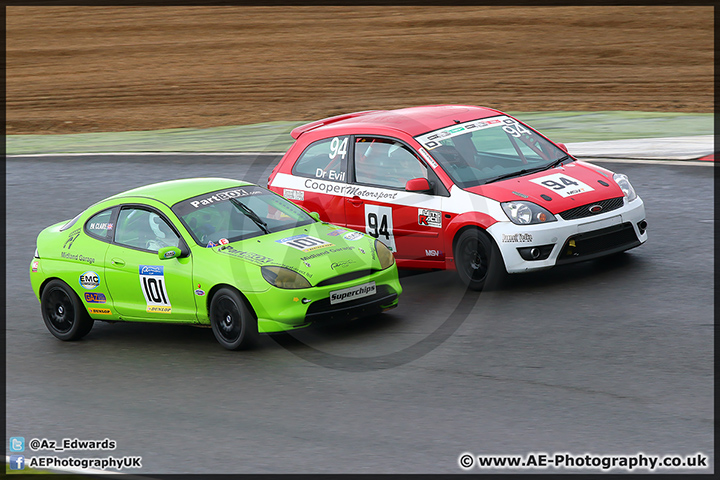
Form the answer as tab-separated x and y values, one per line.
318	251
584	183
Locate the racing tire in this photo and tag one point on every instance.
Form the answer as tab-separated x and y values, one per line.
63	312
234	326
478	261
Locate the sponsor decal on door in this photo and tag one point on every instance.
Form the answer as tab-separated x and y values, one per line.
379	224
152	281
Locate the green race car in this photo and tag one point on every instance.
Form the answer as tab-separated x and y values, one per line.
211	252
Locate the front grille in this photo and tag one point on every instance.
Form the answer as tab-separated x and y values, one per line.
324	311
605	241
345	277
584	210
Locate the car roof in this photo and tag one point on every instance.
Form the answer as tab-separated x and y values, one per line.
412	120
174	191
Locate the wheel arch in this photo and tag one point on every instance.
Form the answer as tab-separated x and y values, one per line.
213	291
471	226
45	283
463	222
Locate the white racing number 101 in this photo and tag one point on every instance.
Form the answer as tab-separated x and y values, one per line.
152	281
378	224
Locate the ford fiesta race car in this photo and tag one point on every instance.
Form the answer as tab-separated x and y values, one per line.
212	252
460	187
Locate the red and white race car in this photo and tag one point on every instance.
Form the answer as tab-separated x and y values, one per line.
459	187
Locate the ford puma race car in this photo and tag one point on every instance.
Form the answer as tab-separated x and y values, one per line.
212	252
460	187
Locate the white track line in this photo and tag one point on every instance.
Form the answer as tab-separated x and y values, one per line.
106	154
652	162
255	154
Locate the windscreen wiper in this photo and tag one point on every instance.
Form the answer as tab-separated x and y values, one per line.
556	162
250	214
526	171
513	174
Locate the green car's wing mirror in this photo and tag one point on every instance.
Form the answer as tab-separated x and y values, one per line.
169	252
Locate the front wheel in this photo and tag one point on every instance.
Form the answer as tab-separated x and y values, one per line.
478	260
63	313
235	328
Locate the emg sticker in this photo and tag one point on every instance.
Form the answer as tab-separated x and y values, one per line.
89	280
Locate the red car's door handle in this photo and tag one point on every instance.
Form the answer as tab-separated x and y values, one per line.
355	201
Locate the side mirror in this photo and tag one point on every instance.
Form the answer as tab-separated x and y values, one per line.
562	147
417	185
315	215
169	252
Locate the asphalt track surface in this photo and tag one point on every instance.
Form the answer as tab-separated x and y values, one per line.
604	357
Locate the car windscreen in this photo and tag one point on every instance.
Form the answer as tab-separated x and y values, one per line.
481	151
238	213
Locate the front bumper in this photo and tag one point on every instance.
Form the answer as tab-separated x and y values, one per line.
568	241
281	310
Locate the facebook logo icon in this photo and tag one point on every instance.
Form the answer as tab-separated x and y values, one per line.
17	444
17	462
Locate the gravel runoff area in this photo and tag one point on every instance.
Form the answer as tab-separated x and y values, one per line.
113	69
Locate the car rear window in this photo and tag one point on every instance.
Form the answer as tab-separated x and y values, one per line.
325	159
99	224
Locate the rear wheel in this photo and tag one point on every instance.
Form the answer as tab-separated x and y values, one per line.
233	324
63	312
478	260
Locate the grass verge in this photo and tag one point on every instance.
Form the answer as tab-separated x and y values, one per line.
563	127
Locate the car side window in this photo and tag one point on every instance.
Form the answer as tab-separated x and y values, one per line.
325	159
99	225
144	229
385	162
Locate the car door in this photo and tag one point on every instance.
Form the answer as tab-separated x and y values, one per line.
409	223
142	286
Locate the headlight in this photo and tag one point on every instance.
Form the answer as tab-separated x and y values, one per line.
624	184
526	213
384	255
282	277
